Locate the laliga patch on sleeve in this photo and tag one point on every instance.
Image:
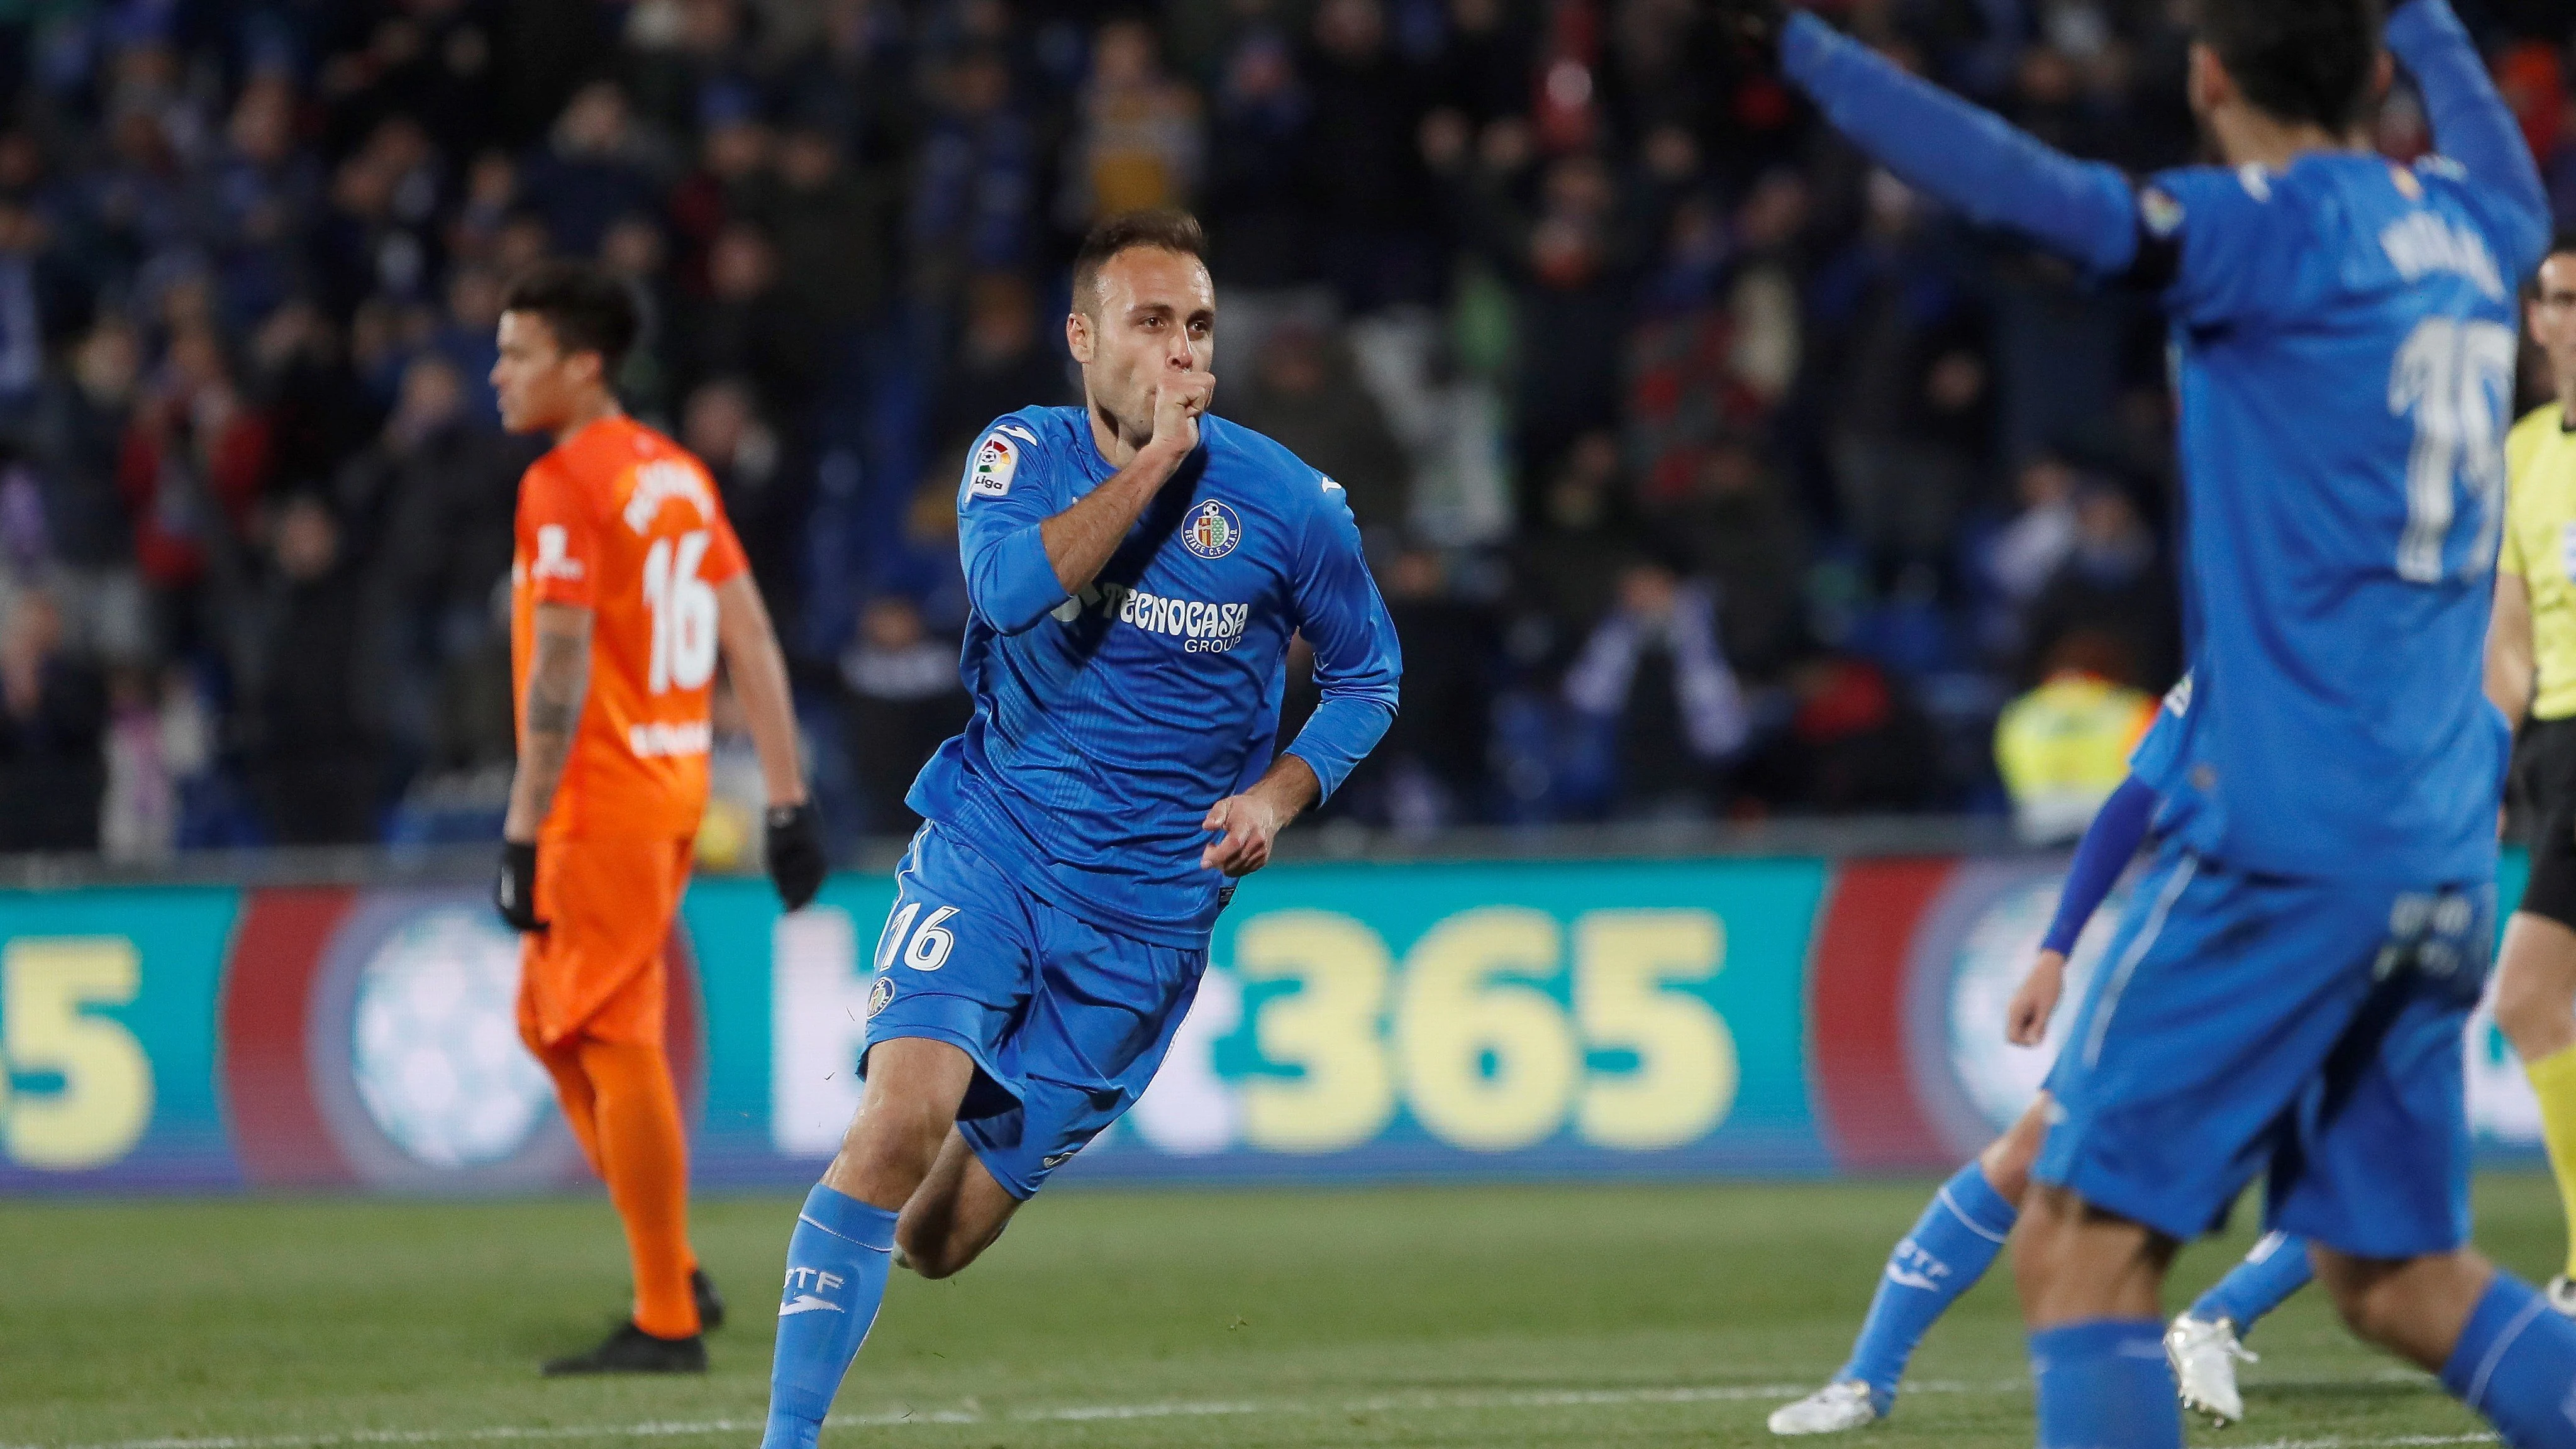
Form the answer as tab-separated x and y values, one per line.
996	459
2161	213
2178	698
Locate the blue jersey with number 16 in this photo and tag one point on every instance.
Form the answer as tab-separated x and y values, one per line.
2343	334
1107	723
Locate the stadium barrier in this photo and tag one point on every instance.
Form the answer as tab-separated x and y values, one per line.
1780	1016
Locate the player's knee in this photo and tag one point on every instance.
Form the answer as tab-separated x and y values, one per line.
885	1157
2006	1170
2412	1307
2369	1295
904	1119
888	1151
2006	1161
2039	1241
2371	1308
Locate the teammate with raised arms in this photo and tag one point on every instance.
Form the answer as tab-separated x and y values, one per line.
2288	989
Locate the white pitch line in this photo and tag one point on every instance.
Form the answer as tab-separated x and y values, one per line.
1426	1401
2402	1441
646	1430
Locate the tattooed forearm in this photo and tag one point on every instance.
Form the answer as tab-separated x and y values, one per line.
547	716
558	680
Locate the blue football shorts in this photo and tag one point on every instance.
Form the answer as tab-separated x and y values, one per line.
2309	1028
1066	1023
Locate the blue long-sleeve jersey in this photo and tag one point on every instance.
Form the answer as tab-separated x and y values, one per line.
2343	340
1106	724
2122	824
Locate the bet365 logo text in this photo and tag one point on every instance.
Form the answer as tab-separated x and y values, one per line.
75	1086
1498	1028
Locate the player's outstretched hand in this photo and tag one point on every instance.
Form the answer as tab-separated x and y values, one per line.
514	886
2026	1020
1249	824
1179	398
795	853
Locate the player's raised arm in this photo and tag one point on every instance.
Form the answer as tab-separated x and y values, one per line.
758	669
1080	540
2470	122
1022	561
1143	328
1002	508
1969	157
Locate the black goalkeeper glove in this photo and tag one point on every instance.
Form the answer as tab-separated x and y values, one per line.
514	886
795	853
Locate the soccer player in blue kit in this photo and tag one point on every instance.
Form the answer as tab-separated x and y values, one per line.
1136	569
2288	988
1970	1217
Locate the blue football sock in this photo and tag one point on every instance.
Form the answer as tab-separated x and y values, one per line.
2516	1364
1952	1244
2275	1269
2103	1383
836	1277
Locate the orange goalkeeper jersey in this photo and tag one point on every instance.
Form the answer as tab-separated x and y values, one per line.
622	521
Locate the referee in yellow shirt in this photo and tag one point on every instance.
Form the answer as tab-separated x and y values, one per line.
2531	672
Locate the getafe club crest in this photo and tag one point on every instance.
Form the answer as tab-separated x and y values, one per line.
880	995
1213	531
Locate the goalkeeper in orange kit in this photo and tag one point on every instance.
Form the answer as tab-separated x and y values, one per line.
626	588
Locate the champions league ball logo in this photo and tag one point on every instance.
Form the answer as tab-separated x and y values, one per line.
435	1047
371	1040
1213	531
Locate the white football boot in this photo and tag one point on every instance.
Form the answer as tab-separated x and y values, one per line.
1841	1405
2204	1354
2562	1295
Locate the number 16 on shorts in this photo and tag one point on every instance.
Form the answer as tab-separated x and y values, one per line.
925	946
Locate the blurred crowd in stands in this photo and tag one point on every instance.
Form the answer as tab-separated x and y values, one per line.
1709	472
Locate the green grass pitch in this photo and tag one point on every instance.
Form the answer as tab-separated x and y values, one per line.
1484	1317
